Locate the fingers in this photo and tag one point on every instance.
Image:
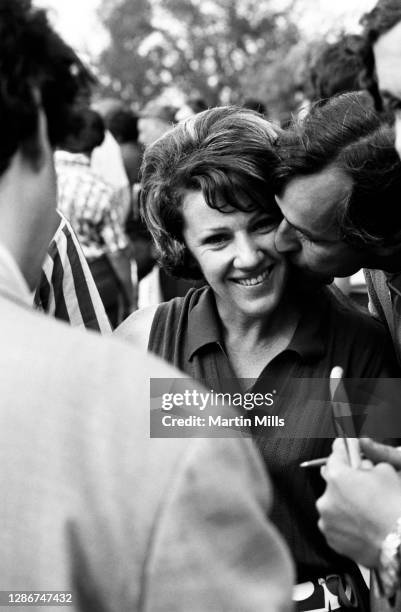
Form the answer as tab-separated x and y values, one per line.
366	464
378	453
339	455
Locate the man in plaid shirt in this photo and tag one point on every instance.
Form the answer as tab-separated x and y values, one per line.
90	205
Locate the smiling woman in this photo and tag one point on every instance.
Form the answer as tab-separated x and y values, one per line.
208	200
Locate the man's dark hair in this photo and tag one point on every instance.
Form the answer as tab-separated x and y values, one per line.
385	15
344	134
227	153
337	68
123	124
37	70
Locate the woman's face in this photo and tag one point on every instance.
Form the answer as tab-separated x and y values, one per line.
237	256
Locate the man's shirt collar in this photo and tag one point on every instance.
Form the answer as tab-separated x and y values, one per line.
71	159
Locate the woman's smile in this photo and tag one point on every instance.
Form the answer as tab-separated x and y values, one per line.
255	279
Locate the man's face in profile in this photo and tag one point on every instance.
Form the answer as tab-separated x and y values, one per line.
309	232
387	52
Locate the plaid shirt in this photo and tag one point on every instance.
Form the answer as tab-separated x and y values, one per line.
66	289
90	204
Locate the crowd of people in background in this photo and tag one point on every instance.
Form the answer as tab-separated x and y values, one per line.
225	244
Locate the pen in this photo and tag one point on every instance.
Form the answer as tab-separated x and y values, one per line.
314	463
340	409
323	460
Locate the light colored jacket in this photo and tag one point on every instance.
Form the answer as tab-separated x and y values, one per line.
90	504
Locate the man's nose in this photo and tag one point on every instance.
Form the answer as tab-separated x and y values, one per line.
285	238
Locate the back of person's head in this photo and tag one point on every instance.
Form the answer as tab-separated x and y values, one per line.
382	18
385	15
106	106
337	68
155	109
86	131
198	105
191	107
226	153
37	71
155	119
256	105
123	124
347	135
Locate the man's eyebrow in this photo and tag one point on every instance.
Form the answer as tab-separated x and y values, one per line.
303	231
308	234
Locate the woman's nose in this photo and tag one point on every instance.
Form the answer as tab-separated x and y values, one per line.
286	239
248	253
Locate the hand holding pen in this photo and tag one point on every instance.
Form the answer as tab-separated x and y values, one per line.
370	450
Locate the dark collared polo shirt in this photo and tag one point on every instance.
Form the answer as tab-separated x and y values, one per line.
188	333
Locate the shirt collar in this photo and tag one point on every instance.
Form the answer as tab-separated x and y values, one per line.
12	283
308	339
65	157
204	323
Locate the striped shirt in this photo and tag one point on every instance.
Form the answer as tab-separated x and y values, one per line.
67	290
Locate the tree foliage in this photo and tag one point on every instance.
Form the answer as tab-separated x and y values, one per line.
219	49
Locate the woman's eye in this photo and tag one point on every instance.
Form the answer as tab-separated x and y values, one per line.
216	239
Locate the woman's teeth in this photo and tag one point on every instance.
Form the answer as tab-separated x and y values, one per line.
255	280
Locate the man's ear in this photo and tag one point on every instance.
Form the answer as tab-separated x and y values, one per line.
36	149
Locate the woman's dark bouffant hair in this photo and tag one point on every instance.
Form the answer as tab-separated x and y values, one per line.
227	153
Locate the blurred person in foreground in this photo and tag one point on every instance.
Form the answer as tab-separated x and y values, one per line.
90	205
91	505
208	199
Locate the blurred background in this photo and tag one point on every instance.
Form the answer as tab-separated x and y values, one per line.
213	51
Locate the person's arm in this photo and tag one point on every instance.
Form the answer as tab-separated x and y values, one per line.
118	251
359	508
121	263
214	547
